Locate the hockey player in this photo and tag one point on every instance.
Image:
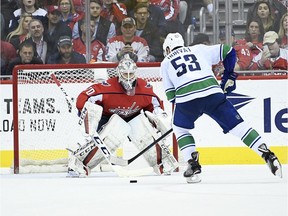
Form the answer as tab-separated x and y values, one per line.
189	83
117	108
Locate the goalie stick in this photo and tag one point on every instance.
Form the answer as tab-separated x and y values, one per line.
98	141
68	99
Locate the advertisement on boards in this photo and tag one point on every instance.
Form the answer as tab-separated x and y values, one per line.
45	119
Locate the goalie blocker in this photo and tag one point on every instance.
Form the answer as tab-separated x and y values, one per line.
115	132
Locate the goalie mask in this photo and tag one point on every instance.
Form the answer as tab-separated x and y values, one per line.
172	41
127	74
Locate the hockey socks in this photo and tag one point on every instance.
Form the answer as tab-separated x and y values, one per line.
248	136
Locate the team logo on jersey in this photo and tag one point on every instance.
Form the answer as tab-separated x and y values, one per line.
126	111
239	100
148	85
104	83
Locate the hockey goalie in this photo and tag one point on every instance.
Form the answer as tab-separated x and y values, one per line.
121	108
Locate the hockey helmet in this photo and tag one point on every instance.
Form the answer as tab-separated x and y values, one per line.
126	70
172	41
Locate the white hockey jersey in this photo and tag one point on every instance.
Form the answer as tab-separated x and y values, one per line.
187	72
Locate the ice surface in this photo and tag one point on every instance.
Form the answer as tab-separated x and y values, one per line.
235	190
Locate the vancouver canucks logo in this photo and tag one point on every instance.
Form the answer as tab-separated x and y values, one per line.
239	100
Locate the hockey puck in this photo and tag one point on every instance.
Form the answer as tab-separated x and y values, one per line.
133	181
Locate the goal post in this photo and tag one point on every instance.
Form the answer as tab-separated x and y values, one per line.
43	124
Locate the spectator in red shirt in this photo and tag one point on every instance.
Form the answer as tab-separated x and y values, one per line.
272	57
127	43
250	46
8	52
79	6
115	12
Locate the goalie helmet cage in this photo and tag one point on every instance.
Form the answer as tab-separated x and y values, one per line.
44	126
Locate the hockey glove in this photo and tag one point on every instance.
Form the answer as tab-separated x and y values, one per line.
161	121
228	82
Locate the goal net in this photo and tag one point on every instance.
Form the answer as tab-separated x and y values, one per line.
44	124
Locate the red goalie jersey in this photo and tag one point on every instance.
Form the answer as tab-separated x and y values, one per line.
111	96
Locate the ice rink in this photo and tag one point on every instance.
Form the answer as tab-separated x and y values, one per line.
234	190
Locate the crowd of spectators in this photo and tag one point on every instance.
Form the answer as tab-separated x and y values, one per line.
264	46
56	31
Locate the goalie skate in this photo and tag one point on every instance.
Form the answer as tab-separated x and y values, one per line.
76	169
169	163
271	160
194	169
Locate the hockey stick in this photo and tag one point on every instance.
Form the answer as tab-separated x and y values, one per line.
124	162
68	99
98	141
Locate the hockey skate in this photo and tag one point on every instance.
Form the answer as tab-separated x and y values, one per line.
271	160
194	169
164	168
76	169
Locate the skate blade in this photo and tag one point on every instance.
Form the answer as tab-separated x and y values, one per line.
193	179
278	172
73	174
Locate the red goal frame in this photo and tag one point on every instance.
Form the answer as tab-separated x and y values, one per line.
62	67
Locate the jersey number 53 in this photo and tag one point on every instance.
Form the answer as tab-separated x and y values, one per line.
184	63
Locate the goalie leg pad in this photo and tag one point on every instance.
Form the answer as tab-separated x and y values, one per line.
90	117
113	134
76	166
141	136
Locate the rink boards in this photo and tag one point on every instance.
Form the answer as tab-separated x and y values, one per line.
262	103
